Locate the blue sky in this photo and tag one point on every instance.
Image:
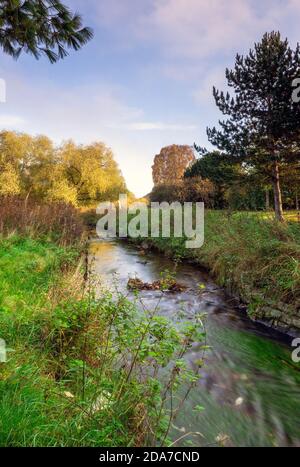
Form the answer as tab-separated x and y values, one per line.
145	81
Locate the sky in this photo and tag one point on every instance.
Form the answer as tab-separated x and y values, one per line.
145	80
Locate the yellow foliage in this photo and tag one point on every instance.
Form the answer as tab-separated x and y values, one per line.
62	191
72	173
9	181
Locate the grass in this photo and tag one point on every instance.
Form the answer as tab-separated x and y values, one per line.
292	216
81	371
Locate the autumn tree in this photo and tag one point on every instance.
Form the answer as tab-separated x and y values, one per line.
92	170
71	173
15	155
187	190
170	165
10	183
262	128
40	27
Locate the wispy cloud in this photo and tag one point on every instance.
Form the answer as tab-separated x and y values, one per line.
146	79
154	126
11	121
194	29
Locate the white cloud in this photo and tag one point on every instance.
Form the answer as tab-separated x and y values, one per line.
11	121
152	126
194	28
198	28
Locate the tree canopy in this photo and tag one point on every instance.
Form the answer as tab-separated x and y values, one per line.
169	166
40	27
77	174
218	169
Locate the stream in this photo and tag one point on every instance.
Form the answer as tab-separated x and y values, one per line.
249	388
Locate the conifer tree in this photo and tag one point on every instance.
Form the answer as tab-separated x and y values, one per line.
263	125
40	27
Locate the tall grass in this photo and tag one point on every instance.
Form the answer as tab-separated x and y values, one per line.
58	221
247	252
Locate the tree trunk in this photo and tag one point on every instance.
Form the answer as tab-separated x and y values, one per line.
277	193
297	202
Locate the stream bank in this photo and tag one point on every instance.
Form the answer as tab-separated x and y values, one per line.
249	389
256	260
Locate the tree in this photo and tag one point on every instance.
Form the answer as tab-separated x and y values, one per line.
187	190
170	165
61	190
40	27
75	174
291	185
9	181
263	126
218	169
92	170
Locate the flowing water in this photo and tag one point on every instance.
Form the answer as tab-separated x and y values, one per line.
250	387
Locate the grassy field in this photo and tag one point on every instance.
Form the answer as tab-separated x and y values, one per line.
292	216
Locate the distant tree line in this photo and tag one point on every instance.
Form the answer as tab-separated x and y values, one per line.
241	187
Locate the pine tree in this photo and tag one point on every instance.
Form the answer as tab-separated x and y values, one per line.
40	27
263	128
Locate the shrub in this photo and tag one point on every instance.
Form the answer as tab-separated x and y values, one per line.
188	190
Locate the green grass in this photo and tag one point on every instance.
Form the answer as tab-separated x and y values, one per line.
28	269
76	373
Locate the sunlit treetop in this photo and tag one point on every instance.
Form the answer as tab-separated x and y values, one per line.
40	27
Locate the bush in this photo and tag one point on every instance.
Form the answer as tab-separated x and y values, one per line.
188	190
